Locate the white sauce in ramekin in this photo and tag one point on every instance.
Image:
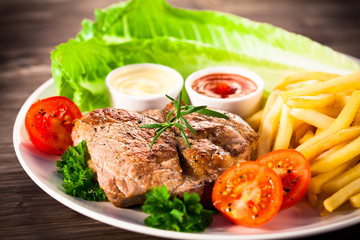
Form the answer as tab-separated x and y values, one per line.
144	81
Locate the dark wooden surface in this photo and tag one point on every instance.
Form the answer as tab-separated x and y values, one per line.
30	29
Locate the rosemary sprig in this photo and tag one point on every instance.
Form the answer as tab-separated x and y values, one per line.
179	121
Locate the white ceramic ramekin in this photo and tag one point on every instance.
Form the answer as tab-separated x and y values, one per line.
243	106
141	103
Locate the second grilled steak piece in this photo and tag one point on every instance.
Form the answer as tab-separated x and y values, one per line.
219	144
120	156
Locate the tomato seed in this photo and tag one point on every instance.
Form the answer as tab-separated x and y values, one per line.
255	210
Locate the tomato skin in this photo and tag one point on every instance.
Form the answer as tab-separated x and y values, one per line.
294	171
48	123
248	194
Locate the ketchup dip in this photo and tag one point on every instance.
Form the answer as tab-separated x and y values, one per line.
228	88
224	85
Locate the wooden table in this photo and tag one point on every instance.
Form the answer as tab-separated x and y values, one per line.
30	29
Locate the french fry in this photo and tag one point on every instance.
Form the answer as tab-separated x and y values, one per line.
318	131
300	84
344	120
337	158
341	100
324	212
347	92
317	182
328	152
356	121
318	101
304	76
321	198
312	198
269	103
330	111
355	200
298	124
300	131
341	196
318	114
312	117
283	137
326	143
335	85
309	134
343	179
268	131
255	120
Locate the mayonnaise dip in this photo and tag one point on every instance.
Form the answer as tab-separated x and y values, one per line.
144	81
143	86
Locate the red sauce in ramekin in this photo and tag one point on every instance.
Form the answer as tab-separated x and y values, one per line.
224	85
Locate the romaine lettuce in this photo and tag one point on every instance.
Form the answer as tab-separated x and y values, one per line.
187	40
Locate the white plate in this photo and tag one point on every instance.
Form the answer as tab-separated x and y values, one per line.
297	221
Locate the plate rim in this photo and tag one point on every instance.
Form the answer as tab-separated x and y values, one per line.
134	227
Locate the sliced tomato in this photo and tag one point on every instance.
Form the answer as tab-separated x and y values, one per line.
248	193
294	171
48	123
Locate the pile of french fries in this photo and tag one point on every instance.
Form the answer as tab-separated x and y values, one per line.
317	114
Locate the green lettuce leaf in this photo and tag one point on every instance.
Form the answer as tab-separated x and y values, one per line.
79	70
187	40
141	19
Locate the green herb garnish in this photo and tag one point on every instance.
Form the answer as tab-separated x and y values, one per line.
78	178
176	215
179	121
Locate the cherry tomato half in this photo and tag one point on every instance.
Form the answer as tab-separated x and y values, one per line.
294	171
48	123
248	193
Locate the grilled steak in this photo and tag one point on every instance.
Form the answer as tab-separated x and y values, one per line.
219	144
154	114
120	156
126	168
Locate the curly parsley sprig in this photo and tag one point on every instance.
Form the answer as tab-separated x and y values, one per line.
177	215
78	179
179	121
